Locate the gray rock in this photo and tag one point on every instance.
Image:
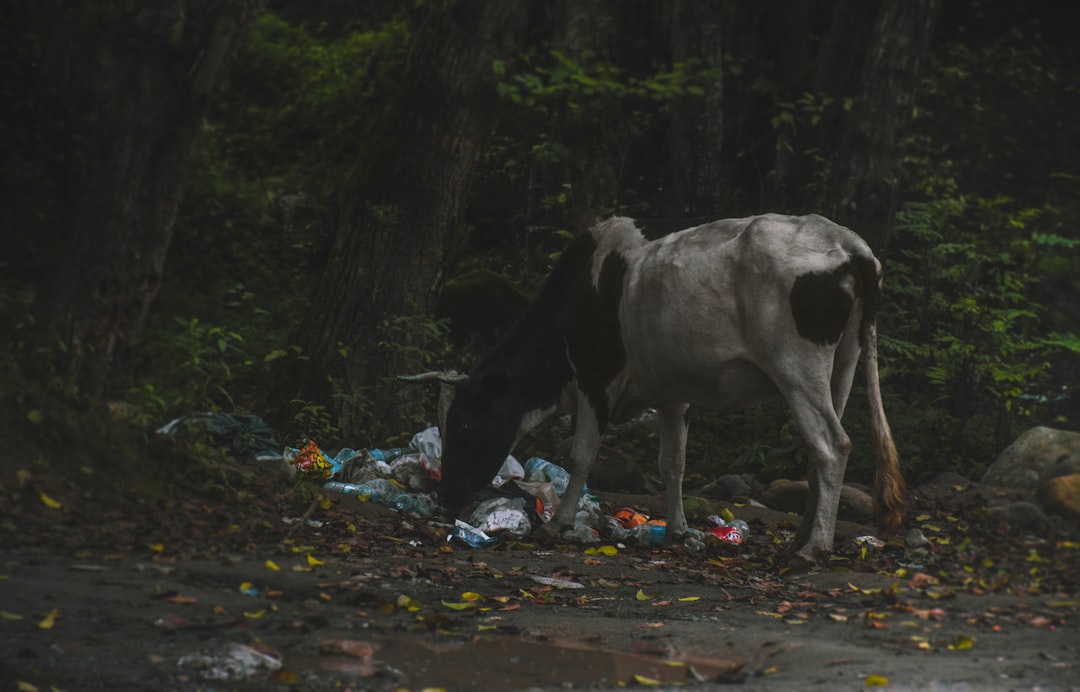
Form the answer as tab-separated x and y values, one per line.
1032	456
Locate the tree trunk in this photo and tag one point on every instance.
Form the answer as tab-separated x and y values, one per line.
866	177
584	32
366	320
136	88
695	178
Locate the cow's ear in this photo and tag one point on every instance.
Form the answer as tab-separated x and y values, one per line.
496	384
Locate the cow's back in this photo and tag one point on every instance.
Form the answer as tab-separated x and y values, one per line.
705	308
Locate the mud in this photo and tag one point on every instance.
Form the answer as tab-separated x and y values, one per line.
365	598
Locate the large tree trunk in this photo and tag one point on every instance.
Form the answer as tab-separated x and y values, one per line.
695	185
397	216
584	32
864	190
136	86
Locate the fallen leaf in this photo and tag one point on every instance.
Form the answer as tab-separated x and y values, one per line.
838	617
49	502
22	686
602	550
49	620
642	680
962	642
256	615
311	560
689	599
458	606
875	681
4	615
642	596
181	599
271	565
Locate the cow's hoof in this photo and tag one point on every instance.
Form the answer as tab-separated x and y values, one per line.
548	533
803	559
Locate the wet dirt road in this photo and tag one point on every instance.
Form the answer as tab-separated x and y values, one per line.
374	600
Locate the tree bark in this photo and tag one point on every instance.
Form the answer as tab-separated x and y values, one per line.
866	177
695	178
136	87
366	319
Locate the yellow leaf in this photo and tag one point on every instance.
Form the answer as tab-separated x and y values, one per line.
768	614
642	680
49	502
25	686
271	565
962	642
642	596
4	615
689	599
458	606
602	550
257	614
157	547
1070	545
727	515
875	681
311	560
245	586
325	596
471	596
486	628
50	619
922	517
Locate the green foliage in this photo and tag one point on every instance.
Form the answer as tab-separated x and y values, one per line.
964	335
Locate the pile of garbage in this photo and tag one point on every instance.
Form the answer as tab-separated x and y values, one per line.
520	496
518	500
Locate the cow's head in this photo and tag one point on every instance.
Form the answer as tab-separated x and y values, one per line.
479	431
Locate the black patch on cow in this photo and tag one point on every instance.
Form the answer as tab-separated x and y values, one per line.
594	337
820	305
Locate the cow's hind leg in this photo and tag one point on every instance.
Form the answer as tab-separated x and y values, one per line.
828	447
673	431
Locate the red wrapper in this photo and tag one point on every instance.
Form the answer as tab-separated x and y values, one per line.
728	534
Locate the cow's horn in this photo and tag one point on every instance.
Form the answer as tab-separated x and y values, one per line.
447	377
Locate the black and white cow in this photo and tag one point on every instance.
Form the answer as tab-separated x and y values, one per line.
726	315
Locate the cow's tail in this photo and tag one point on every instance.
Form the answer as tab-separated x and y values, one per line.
890	492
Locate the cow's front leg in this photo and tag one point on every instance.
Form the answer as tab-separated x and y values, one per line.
673	431
582	455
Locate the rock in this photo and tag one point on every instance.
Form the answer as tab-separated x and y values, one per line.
1025	461
1061	495
733	486
915	538
1021	516
790	496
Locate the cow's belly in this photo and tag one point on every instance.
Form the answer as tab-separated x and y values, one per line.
729	386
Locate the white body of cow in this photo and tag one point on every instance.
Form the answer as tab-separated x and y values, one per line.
725	315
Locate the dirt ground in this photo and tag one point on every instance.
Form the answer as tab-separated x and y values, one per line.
262	591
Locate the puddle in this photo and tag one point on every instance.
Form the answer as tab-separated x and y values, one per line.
509	663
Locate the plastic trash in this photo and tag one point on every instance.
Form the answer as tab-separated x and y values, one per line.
509	471
537	469
470	535
381	490
502	514
733	532
427	442
657	532
416	504
386	455
628	517
408	471
231	662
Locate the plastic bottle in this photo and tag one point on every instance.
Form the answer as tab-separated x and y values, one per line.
537	469
386	455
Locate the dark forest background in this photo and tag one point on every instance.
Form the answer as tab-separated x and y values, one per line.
276	207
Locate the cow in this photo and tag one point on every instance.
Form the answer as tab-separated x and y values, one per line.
725	315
